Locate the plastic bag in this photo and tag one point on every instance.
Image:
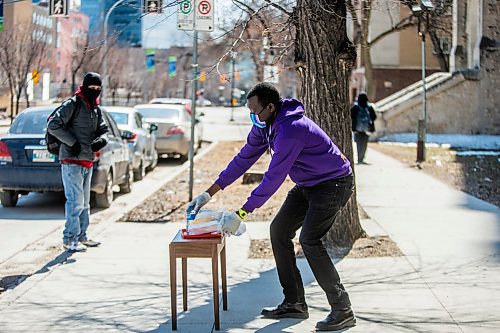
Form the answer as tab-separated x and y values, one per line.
208	221
205	222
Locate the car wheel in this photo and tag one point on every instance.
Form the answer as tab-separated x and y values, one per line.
154	161
104	200
9	198
141	172
126	187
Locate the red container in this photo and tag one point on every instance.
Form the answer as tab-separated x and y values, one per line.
211	235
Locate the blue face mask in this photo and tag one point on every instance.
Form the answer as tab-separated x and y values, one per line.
256	121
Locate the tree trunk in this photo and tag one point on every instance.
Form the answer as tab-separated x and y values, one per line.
324	57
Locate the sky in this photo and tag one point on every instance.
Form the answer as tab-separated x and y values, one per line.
160	31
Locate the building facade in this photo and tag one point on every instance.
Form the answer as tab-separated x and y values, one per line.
396	58
124	23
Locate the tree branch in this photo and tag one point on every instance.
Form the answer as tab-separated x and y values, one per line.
405	23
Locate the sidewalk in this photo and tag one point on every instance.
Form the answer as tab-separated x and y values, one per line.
448	280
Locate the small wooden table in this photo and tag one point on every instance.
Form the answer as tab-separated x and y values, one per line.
197	248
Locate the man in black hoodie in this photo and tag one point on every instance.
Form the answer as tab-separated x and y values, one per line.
78	124
363	121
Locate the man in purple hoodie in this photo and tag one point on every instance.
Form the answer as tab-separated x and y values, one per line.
324	183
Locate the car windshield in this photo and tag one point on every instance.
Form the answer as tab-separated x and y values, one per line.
120	118
159	113
30	123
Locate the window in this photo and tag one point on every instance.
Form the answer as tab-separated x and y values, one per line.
120	118
138	120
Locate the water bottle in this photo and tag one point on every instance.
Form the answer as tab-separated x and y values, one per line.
189	218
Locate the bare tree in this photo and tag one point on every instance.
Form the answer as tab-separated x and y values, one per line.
323	57
21	50
439	24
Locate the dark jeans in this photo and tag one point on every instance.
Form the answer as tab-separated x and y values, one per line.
314	209
361	139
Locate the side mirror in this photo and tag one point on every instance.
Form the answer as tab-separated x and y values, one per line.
152	128
127	135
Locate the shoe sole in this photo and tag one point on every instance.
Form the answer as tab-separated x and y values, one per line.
349	322
289	315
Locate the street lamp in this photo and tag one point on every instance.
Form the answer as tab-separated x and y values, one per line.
422	12
233	101
105	60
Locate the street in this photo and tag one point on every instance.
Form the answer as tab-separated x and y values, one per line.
32	231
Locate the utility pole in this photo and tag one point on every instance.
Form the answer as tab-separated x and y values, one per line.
193	113
422	12
233	101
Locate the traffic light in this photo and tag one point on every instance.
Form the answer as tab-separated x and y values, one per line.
203	76
222	78
58	8
152	6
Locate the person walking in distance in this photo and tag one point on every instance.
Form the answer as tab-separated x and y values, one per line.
79	125
324	183
363	121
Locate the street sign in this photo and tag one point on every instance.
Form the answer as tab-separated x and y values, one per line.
1	15
185	15
58	8
152	6
150	60
204	15
172	66
271	74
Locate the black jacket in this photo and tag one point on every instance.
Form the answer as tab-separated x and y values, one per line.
85	126
354	116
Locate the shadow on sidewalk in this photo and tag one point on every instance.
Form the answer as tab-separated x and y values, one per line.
245	302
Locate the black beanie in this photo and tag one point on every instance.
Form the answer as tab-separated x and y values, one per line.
92	79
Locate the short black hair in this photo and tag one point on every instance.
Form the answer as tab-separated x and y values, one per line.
266	93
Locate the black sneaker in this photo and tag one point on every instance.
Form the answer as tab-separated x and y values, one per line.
337	320
287	310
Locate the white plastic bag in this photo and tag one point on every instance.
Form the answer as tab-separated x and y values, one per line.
205	222
208	221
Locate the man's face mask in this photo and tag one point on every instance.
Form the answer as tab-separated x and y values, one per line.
255	119
91	93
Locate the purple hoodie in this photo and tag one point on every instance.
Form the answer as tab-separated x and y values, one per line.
300	149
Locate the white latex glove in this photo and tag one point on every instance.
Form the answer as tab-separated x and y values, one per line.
198	202
230	223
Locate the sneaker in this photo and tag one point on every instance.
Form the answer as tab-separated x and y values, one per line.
74	247
287	310
90	243
337	320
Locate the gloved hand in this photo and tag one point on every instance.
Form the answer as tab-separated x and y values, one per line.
198	202
98	144
230	223
76	148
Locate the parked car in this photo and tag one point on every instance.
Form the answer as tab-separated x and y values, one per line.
26	165
175	101
142	144
174	128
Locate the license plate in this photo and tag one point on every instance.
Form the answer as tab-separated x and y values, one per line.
42	155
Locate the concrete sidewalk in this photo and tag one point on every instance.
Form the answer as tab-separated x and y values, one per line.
448	280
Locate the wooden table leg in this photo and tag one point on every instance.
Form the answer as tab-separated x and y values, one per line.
184	284
224	278
215	282
173	287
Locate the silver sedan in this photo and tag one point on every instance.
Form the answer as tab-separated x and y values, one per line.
174	128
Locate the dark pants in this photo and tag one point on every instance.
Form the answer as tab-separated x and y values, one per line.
314	209
361	139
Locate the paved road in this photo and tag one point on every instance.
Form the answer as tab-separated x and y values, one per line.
31	232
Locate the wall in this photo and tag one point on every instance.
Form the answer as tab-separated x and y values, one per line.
489	87
390	80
